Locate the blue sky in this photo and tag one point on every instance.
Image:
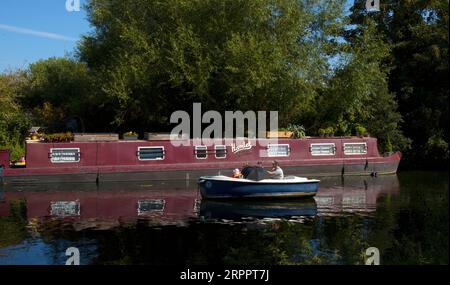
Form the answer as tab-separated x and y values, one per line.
37	29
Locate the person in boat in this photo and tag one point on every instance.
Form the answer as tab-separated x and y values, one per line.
237	173
245	170
276	172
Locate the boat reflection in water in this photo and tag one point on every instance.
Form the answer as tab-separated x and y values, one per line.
236	210
335	197
166	203
354	194
106	206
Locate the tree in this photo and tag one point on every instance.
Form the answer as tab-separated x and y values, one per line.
155	57
14	122
57	90
417	32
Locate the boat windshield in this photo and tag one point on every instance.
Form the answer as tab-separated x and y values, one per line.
254	173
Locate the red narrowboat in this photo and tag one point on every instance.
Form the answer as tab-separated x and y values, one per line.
160	159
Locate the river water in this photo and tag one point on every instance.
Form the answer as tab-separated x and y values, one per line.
404	217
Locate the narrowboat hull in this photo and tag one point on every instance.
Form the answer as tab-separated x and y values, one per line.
222	187
107	175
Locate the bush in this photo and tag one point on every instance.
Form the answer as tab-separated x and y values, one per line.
437	148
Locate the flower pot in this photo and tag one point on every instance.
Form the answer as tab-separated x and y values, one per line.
280	134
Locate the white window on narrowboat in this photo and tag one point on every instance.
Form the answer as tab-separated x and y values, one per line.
278	150
355	148
64	155
151	153
201	152
221	151
148	207
65	208
322	149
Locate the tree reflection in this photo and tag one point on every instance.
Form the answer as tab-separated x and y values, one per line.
13	227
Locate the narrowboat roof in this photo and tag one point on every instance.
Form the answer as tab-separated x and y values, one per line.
93	140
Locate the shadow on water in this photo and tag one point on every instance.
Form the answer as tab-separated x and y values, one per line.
168	223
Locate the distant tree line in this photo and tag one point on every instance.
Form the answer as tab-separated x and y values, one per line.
316	63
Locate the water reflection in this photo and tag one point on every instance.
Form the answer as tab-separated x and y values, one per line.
238	210
108	205
167	223
353	194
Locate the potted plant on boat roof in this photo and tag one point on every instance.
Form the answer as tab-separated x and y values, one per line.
59	137
130	136
389	147
281	133
298	131
360	131
321	132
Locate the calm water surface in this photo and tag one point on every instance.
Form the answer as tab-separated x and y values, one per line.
404	216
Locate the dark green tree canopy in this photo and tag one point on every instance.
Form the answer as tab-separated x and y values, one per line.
417	33
229	55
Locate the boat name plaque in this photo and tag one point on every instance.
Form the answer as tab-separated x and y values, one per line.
237	148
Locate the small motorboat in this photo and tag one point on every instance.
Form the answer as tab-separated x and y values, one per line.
256	185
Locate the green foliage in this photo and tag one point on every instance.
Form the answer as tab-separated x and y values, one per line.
437	148
14	122
229	55
13	228
329	131
299	131
358	93
321	132
389	148
417	32
58	89
360	130
59	137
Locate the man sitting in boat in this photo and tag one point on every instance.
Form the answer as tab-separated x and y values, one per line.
246	170
276	172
